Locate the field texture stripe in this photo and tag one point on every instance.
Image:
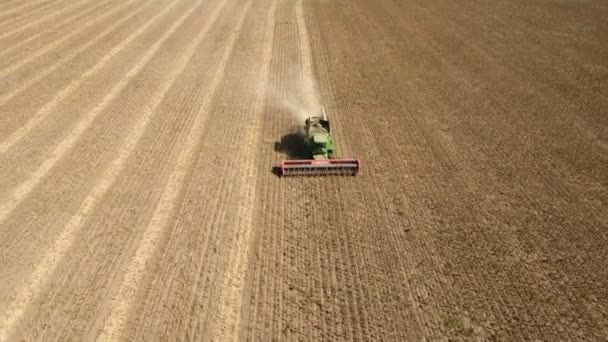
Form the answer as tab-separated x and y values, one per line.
25	13
26	17
26	187
32	56
147	248
44	18
64	21
230	300
46	71
51	259
9	4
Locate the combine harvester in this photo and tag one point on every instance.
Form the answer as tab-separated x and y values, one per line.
320	146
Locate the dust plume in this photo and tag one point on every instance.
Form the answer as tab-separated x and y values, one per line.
297	94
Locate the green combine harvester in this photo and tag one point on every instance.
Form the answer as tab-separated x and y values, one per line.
320	146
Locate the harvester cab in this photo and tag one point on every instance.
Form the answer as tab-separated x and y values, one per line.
320	147
319	138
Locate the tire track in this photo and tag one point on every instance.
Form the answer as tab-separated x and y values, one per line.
7	69
25	84
45	18
231	295
123	300
73	19
54	255
26	187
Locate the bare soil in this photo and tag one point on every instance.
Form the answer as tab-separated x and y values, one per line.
138	199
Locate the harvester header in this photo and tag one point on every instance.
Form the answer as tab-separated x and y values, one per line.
319	147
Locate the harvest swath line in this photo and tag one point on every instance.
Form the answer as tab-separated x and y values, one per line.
45	18
230	299
15	9
280	62
26	187
70	19
26	84
13	67
41	113
53	256
9	4
205	270
32	12
123	300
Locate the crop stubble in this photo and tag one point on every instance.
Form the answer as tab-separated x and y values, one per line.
136	198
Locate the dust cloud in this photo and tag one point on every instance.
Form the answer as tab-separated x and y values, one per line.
297	94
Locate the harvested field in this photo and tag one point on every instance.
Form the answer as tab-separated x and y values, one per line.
138	199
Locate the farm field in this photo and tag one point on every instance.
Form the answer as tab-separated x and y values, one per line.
138	199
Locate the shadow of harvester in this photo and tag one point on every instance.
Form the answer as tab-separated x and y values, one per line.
293	145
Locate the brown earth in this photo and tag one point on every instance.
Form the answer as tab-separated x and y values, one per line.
138	202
